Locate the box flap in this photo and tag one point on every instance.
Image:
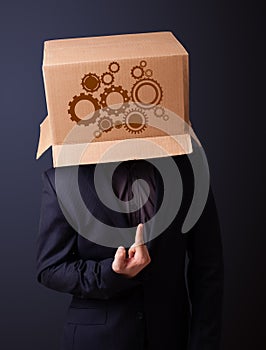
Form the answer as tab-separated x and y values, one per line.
45	139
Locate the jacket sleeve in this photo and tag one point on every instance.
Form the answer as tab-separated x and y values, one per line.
58	264
205	275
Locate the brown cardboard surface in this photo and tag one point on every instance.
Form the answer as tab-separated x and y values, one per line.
98	152
123	87
105	48
45	140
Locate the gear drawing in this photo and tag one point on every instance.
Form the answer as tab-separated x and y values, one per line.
81	98
107	78
91	82
105	124
135	120
97	133
140	87
137	72
118	124
148	73
159	111
117	109
143	63
114	67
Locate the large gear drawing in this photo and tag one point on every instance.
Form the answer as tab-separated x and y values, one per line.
78	99
91	82
141	84
135	120
114	67
137	72
105	124
114	89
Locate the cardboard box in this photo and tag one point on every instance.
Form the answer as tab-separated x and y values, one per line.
115	98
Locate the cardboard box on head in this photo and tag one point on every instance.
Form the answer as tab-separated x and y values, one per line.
115	98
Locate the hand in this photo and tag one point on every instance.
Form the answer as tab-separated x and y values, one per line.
138	257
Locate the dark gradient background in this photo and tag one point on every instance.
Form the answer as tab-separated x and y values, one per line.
225	43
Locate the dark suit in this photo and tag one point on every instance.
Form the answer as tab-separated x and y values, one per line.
151	311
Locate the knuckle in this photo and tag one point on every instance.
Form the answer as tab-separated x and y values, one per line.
147	260
118	269
143	261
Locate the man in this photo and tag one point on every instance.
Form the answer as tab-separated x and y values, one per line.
144	297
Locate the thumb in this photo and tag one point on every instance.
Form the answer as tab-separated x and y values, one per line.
119	259
120	253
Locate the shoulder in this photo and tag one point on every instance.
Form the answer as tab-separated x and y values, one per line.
66	174
48	175
48	180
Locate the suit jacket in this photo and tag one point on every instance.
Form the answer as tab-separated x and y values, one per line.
174	303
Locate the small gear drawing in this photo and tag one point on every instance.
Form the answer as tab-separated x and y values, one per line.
114	89
114	67
76	100
97	133
135	120
143	63
166	117
148	73
107	78
141	85
91	82
118	124
105	124
159	111
137	72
